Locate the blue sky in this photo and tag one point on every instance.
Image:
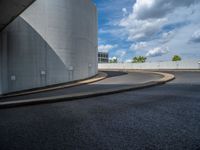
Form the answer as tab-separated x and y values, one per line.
157	29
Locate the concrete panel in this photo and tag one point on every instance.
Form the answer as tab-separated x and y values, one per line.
52	42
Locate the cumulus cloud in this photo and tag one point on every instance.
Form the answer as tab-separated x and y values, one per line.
106	48
128	61
138	46
196	37
158	51
125	12
148	17
141	29
145	9
113	58
167	36
149	26
121	53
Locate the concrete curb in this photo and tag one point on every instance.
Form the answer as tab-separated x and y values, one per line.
100	76
166	78
180	70
154	70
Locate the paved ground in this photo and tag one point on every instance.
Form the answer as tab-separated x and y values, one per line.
162	117
115	79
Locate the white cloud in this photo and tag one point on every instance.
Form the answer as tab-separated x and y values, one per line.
141	29
113	58
167	36
145	9
121	54
154	25
138	46
128	61
106	48
125	12
158	51
196	37
163	23
148	17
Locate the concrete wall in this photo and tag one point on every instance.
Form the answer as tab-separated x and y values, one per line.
52	42
192	64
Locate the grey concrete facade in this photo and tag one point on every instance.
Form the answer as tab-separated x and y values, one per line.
51	42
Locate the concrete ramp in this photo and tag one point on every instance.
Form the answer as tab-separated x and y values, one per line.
10	9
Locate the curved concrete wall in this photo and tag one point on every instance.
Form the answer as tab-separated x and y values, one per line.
52	42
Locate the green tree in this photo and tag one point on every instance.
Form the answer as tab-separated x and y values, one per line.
176	58
139	59
113	60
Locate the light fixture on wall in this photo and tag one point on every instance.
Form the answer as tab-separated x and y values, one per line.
13	78
43	72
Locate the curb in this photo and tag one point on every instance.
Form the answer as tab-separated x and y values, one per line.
100	76
166	78
180	70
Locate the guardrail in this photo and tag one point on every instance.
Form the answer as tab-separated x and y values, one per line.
179	65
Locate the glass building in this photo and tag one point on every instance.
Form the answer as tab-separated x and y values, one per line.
103	57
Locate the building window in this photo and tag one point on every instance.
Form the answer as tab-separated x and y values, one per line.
103	57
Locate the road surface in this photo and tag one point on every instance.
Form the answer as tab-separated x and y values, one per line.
115	79
161	117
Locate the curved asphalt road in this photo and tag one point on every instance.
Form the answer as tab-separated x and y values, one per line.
115	79
161	117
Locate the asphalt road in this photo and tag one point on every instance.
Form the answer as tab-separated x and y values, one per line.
161	117
115	79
